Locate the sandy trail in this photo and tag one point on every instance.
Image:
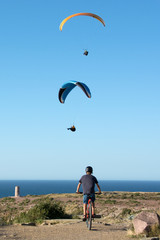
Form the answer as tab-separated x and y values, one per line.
74	231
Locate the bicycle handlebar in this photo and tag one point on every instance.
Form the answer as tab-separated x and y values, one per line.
96	193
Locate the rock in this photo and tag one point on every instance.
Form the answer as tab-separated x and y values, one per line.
28	224
144	220
152	238
44	223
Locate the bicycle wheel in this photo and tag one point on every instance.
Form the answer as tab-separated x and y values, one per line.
89	216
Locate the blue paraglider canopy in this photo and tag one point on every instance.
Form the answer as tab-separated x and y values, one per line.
68	86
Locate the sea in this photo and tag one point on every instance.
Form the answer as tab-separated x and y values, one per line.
40	187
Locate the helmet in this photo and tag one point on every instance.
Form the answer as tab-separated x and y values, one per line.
89	169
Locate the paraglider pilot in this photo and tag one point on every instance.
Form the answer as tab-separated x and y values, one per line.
85	53
73	129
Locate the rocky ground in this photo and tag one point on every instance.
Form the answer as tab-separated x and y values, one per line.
115	211
67	231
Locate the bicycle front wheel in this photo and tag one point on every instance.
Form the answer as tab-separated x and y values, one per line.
89	216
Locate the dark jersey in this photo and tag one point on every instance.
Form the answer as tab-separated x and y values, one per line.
88	183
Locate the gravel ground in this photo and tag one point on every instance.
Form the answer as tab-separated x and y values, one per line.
70	231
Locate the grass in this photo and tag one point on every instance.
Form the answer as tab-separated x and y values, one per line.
25	202
109	201
7	199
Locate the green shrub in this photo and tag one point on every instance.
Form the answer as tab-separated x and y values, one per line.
25	202
44	210
125	212
136	203
124	196
110	201
153	231
3	221
8	199
41	200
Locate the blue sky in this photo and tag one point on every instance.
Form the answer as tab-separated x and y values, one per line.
118	129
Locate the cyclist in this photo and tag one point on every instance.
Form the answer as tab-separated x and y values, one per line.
88	182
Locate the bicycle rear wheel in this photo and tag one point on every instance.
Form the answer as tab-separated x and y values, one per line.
89	216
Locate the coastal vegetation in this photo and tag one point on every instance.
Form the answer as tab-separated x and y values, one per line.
113	207
44	209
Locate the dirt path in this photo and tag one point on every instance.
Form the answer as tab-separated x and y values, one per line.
70	231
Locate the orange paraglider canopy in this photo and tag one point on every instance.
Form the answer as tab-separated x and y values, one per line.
81	14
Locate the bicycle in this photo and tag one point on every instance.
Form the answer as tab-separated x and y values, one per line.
89	215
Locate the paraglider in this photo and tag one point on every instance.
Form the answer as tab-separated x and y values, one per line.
73	129
81	14
68	86
85	53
